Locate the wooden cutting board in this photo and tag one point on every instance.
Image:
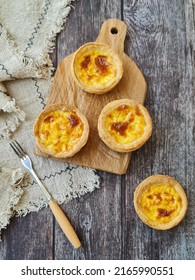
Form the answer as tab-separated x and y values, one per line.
95	154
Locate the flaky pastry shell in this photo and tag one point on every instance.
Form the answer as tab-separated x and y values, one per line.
160	202
124	125
61	131
96	68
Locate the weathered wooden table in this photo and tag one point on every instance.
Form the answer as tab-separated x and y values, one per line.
160	40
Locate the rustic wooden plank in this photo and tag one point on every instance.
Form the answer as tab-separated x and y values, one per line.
160	41
29	237
96	216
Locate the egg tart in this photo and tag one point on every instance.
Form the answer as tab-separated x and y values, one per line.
124	125
96	68
61	131
160	202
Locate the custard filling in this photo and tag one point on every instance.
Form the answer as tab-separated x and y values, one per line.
125	123
95	67
161	203
60	131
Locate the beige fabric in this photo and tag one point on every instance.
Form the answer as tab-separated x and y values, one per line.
27	32
10	193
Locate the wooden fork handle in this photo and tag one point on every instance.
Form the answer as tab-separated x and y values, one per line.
64	224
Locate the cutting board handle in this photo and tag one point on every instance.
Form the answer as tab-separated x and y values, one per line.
113	32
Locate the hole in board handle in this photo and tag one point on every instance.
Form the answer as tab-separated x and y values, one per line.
114	30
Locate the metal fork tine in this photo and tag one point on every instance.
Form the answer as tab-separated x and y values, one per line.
19	148
16	151
16	142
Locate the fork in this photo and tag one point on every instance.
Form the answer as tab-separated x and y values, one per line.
55	208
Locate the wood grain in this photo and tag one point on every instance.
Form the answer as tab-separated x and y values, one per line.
160	40
96	154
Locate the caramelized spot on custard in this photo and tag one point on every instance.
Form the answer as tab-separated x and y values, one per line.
48	119
155	197
120	127
109	116
74	121
122	107
137	111
131	118
101	63
85	62
158	196
164	212
89	77
45	133
179	199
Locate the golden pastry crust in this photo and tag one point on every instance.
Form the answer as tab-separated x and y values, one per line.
124	125
60	131
160	202
96	68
